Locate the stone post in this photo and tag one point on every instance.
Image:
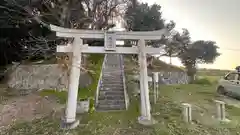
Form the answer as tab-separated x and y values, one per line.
187	112
220	110
155	86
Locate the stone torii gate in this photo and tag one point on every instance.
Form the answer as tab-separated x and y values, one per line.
109	37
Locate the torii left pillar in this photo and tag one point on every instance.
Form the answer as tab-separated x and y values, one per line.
70	121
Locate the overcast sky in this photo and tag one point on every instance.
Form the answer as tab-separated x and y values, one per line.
217	20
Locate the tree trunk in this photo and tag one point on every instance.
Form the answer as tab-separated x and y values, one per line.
170	60
191	71
191	79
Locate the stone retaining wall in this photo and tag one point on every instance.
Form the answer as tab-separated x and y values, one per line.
173	77
168	78
42	76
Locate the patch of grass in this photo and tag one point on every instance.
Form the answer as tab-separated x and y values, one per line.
60	95
44	126
233	110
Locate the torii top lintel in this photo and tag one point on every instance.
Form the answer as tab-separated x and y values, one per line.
99	34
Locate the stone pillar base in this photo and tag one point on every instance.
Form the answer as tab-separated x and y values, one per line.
144	121
225	120
72	125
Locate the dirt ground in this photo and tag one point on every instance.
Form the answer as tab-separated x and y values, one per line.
25	109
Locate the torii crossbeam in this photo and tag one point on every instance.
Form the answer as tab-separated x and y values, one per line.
77	48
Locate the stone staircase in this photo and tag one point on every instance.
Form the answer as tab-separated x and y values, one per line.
111	92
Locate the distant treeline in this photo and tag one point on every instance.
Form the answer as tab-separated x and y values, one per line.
212	72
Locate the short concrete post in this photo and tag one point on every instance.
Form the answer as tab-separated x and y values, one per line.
155	86
158	84
220	110
187	112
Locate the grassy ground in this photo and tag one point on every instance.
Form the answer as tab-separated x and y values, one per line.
167	111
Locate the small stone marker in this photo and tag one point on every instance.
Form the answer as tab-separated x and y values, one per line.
155	86
187	112
221	116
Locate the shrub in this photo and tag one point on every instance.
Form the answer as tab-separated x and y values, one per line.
202	81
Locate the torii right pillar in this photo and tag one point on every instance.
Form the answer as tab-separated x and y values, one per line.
145	117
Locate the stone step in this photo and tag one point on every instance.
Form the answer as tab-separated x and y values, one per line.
113	63
115	89
102	95
112	72
116	69
112	67
104	88
112	85
117	76
109	88
111	93
110	107
109	84
111	102
111	81
112	77
107	97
